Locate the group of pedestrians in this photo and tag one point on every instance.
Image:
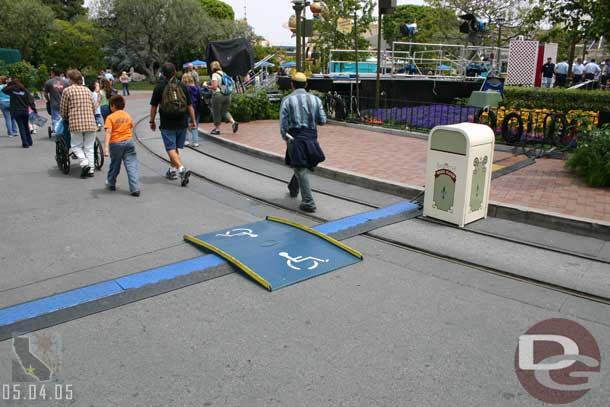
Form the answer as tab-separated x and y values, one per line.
78	107
84	110
580	72
178	104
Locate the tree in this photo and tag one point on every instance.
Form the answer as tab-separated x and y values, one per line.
575	17
433	24
513	12
66	9
146	33
218	10
16	31
601	18
327	36
25	72
74	45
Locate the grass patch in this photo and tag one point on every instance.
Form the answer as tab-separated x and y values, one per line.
143	85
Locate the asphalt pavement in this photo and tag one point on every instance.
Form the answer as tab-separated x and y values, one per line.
399	328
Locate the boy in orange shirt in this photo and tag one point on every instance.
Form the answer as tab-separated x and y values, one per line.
118	144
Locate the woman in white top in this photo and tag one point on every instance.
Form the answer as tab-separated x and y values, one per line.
124	79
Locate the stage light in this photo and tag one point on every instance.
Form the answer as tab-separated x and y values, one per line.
409	29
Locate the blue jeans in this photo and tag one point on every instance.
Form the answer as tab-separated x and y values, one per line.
194	133
173	139
124	151
23	122
11	124
105	110
55	117
125	89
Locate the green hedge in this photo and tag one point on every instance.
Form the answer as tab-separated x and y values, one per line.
591	159
561	100
253	106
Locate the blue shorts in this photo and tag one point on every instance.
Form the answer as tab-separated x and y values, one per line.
173	138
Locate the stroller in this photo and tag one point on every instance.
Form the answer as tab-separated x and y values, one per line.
63	153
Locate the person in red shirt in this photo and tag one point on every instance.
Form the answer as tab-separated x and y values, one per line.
119	145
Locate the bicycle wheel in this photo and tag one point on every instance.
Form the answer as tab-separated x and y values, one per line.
98	152
512	128
58	154
488	117
554	129
62	156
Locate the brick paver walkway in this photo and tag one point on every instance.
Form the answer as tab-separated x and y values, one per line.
545	185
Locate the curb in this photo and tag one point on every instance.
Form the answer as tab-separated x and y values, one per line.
522	214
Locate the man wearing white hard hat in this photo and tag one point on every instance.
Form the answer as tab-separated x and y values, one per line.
300	114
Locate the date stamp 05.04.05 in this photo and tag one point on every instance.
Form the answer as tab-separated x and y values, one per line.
35	372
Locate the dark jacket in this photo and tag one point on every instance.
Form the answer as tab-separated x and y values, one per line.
20	100
548	70
194	95
304	151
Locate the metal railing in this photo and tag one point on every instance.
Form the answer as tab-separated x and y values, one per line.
424	57
535	130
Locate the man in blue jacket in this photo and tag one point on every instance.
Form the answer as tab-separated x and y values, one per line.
300	114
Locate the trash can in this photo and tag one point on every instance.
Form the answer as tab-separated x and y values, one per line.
458	172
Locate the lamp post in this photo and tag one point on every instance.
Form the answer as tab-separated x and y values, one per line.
304	36
499	22
356	49
377	80
298	6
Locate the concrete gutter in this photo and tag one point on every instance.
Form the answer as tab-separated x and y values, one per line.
537	217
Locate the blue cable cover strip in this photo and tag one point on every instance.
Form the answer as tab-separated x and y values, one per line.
94	292
169	272
359	219
57	302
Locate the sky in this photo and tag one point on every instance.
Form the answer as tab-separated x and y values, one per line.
267	17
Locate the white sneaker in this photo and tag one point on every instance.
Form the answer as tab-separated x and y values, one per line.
187	143
195	144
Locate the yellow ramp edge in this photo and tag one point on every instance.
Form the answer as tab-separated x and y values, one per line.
319	234
230	259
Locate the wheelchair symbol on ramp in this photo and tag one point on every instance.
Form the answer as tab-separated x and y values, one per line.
238	232
299	259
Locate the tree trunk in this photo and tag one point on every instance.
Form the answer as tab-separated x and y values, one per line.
150	71
571	52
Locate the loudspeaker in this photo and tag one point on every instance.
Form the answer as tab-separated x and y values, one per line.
387	6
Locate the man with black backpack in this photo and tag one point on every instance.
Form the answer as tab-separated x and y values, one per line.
171	97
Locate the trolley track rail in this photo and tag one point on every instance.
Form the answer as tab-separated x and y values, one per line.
416	199
393	242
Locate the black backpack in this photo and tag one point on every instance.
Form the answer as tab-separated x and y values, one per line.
173	99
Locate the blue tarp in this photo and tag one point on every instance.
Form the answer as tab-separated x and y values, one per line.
196	63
